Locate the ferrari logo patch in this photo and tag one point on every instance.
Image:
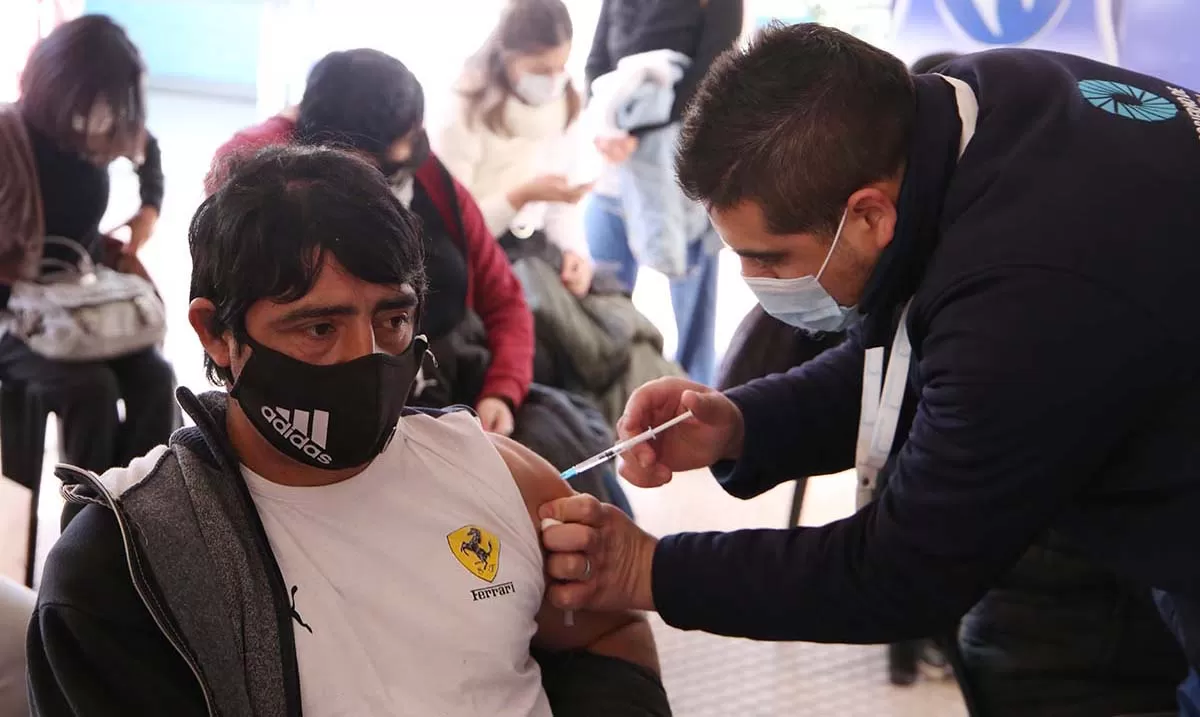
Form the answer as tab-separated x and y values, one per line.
477	550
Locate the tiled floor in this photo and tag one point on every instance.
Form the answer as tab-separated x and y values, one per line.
706	675
709	676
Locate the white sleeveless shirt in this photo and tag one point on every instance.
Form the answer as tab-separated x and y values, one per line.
415	583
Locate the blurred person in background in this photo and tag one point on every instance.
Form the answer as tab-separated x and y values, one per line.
369	102
82	106
513	139
641	218
513	134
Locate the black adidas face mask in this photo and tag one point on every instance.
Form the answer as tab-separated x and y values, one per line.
329	417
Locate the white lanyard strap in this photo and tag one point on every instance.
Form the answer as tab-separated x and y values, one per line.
881	405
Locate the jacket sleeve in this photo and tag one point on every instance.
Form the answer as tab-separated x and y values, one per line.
785	437
1026	395
598	60
150	175
497	297
21	222
93	649
461	148
721	28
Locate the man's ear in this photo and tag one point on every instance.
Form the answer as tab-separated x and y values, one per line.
201	313
874	204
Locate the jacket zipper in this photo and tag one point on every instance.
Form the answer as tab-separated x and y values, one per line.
144	591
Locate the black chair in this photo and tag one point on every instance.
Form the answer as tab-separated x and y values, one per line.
22	443
763	345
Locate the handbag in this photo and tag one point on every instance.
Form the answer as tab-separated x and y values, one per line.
78	311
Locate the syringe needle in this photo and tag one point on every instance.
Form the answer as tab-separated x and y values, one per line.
623	446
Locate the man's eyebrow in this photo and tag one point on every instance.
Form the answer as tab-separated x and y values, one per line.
405	301
766	257
315	312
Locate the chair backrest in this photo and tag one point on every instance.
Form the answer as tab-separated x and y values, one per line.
16	606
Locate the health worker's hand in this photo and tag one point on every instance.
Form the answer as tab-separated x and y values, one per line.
714	433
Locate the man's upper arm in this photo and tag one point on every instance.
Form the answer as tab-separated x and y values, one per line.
21	220
92	646
150	175
800	423
624	635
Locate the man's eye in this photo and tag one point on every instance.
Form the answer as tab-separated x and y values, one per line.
397	322
771	263
320	330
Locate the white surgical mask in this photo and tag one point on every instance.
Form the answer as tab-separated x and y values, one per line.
99	120
802	302
402	189
538	89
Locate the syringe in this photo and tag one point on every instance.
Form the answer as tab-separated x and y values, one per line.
603	457
611	453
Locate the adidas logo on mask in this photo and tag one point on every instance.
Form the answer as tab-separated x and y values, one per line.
305	430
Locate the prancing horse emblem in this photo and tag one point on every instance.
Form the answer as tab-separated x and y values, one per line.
477	550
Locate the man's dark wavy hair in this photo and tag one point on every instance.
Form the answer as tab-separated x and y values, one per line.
265	232
359	99
796	122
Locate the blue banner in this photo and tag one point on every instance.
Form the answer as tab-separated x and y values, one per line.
1080	27
1156	37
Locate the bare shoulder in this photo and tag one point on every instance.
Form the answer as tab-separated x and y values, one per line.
538	481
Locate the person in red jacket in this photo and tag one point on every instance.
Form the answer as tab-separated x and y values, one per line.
467	269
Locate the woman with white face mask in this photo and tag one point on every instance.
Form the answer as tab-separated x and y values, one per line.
511	135
82	106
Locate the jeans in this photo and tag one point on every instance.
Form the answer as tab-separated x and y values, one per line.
693	297
84	396
1060	637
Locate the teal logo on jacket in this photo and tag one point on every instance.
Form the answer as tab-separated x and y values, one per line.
1127	101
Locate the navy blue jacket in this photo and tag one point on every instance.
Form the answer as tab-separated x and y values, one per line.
1055	386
